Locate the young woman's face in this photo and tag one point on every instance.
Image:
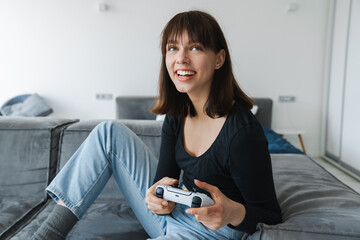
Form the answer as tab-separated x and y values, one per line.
190	66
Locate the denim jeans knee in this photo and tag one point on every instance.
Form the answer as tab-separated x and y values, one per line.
111	148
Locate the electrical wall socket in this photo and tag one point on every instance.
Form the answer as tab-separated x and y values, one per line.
104	96
286	98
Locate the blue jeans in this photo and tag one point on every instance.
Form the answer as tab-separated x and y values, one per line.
111	148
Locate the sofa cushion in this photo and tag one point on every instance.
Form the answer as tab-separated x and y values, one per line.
106	219
315	205
29	150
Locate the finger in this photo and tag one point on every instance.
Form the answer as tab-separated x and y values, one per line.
168	181
202	211
213	190
164	181
192	211
211	225
163	205
202	219
151	189
170	203
161	209
151	198
171	206
155	207
162	212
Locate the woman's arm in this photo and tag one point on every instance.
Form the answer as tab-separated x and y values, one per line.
167	166
251	170
167	172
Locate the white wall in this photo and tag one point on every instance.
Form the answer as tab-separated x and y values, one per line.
67	51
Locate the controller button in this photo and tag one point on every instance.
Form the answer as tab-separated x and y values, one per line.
196	202
159	192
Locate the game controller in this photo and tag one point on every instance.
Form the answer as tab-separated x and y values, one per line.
191	199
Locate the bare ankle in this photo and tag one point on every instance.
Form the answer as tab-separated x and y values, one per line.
61	203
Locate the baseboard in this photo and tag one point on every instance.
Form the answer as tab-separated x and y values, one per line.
338	166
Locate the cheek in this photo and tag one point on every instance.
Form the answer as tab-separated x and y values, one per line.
209	69
169	66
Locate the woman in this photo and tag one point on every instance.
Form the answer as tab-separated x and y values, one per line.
209	133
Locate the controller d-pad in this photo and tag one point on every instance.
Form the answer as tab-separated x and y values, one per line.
196	202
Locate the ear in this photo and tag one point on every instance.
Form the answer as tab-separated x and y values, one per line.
220	59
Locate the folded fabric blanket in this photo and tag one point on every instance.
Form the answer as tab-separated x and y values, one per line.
32	106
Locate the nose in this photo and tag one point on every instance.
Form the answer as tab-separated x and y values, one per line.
182	57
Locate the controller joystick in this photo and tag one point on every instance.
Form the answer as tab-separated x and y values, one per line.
196	202
159	192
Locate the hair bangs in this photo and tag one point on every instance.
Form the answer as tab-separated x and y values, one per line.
199	33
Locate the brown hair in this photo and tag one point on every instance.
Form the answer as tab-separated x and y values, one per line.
203	28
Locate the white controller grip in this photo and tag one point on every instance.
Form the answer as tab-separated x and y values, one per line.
191	199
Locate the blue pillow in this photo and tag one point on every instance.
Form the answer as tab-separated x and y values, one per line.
278	144
32	106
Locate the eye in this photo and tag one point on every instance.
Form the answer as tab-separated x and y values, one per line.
196	48
171	48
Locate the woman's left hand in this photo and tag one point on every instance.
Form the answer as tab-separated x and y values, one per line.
224	211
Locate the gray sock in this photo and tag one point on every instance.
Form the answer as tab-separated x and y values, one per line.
57	225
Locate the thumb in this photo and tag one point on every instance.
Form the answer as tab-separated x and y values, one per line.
168	181
213	190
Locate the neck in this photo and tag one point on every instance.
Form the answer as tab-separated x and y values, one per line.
199	103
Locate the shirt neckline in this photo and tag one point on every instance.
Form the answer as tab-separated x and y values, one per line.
212	144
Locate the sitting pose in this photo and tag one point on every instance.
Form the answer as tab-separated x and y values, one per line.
209	132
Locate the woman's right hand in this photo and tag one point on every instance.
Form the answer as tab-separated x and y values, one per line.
159	205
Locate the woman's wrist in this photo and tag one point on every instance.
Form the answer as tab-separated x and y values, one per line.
238	214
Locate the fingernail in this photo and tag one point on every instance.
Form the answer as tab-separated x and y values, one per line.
188	211
164	203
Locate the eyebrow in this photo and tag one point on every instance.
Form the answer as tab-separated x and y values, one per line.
172	41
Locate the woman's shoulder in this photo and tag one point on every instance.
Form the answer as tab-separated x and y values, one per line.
241	123
243	128
171	124
240	116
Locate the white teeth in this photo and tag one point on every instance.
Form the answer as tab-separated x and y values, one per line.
185	73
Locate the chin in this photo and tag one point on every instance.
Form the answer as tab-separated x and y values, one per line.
182	90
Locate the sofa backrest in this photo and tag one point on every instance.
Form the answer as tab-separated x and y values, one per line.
139	108
135	108
29	150
264	113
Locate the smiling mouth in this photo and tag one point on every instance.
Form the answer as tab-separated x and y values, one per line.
185	74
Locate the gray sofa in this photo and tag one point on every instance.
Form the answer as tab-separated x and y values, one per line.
315	205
